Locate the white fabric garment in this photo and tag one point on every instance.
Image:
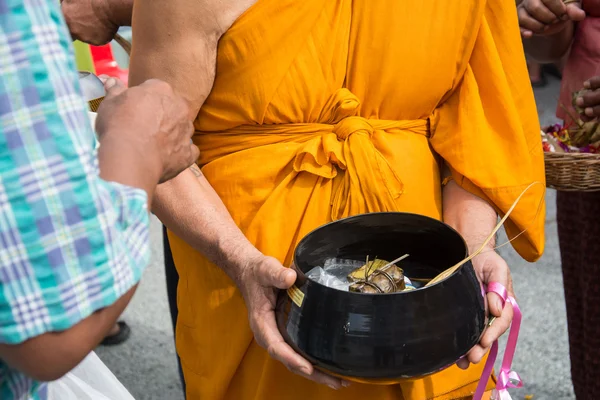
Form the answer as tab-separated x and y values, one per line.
90	380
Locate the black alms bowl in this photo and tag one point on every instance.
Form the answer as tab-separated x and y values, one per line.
382	338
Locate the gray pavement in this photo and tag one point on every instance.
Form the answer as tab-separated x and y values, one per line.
147	367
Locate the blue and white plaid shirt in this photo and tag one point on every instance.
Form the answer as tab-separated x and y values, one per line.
70	243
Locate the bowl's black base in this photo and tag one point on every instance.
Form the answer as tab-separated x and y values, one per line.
383	338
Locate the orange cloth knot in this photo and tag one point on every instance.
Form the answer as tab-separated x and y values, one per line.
350	125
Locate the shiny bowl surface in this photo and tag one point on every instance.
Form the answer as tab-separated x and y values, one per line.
382	338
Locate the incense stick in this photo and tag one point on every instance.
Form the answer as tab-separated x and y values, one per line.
452	269
124	43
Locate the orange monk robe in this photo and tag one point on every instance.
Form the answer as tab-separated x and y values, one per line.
325	109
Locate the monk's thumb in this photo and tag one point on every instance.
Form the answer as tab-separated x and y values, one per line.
279	276
495	304
285	279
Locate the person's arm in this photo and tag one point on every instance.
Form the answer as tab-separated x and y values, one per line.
49	356
208	226
548	27
487	134
122	161
177	42
471	216
79	236
167	35
54	347
475	219
96	21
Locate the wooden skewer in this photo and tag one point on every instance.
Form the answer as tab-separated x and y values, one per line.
124	43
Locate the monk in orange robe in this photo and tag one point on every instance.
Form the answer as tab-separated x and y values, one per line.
310	111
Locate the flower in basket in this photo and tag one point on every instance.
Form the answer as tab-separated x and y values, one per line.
577	137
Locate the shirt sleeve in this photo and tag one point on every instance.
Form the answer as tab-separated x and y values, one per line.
70	243
488	129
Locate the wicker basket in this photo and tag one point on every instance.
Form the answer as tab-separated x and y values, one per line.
573	172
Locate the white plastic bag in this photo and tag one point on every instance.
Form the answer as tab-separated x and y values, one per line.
93	116
90	380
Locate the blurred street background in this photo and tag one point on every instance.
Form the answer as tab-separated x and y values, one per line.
147	366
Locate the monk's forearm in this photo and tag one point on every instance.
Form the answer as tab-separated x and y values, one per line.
548	49
189	206
470	215
176	41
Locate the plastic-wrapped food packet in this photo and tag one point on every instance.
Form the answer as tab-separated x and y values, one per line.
335	271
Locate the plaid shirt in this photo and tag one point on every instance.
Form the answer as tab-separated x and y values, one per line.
70	243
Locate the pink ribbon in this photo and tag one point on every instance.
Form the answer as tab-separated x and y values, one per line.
507	378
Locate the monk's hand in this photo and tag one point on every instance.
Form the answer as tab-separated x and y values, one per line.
589	100
259	282
547	17
490	267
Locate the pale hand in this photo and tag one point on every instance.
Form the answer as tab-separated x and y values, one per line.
490	267
259	282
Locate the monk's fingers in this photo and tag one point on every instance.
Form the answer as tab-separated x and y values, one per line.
268	337
476	354
324	379
463	363
498	327
282	352
592	83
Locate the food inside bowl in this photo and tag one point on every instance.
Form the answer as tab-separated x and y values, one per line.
376	276
382	338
